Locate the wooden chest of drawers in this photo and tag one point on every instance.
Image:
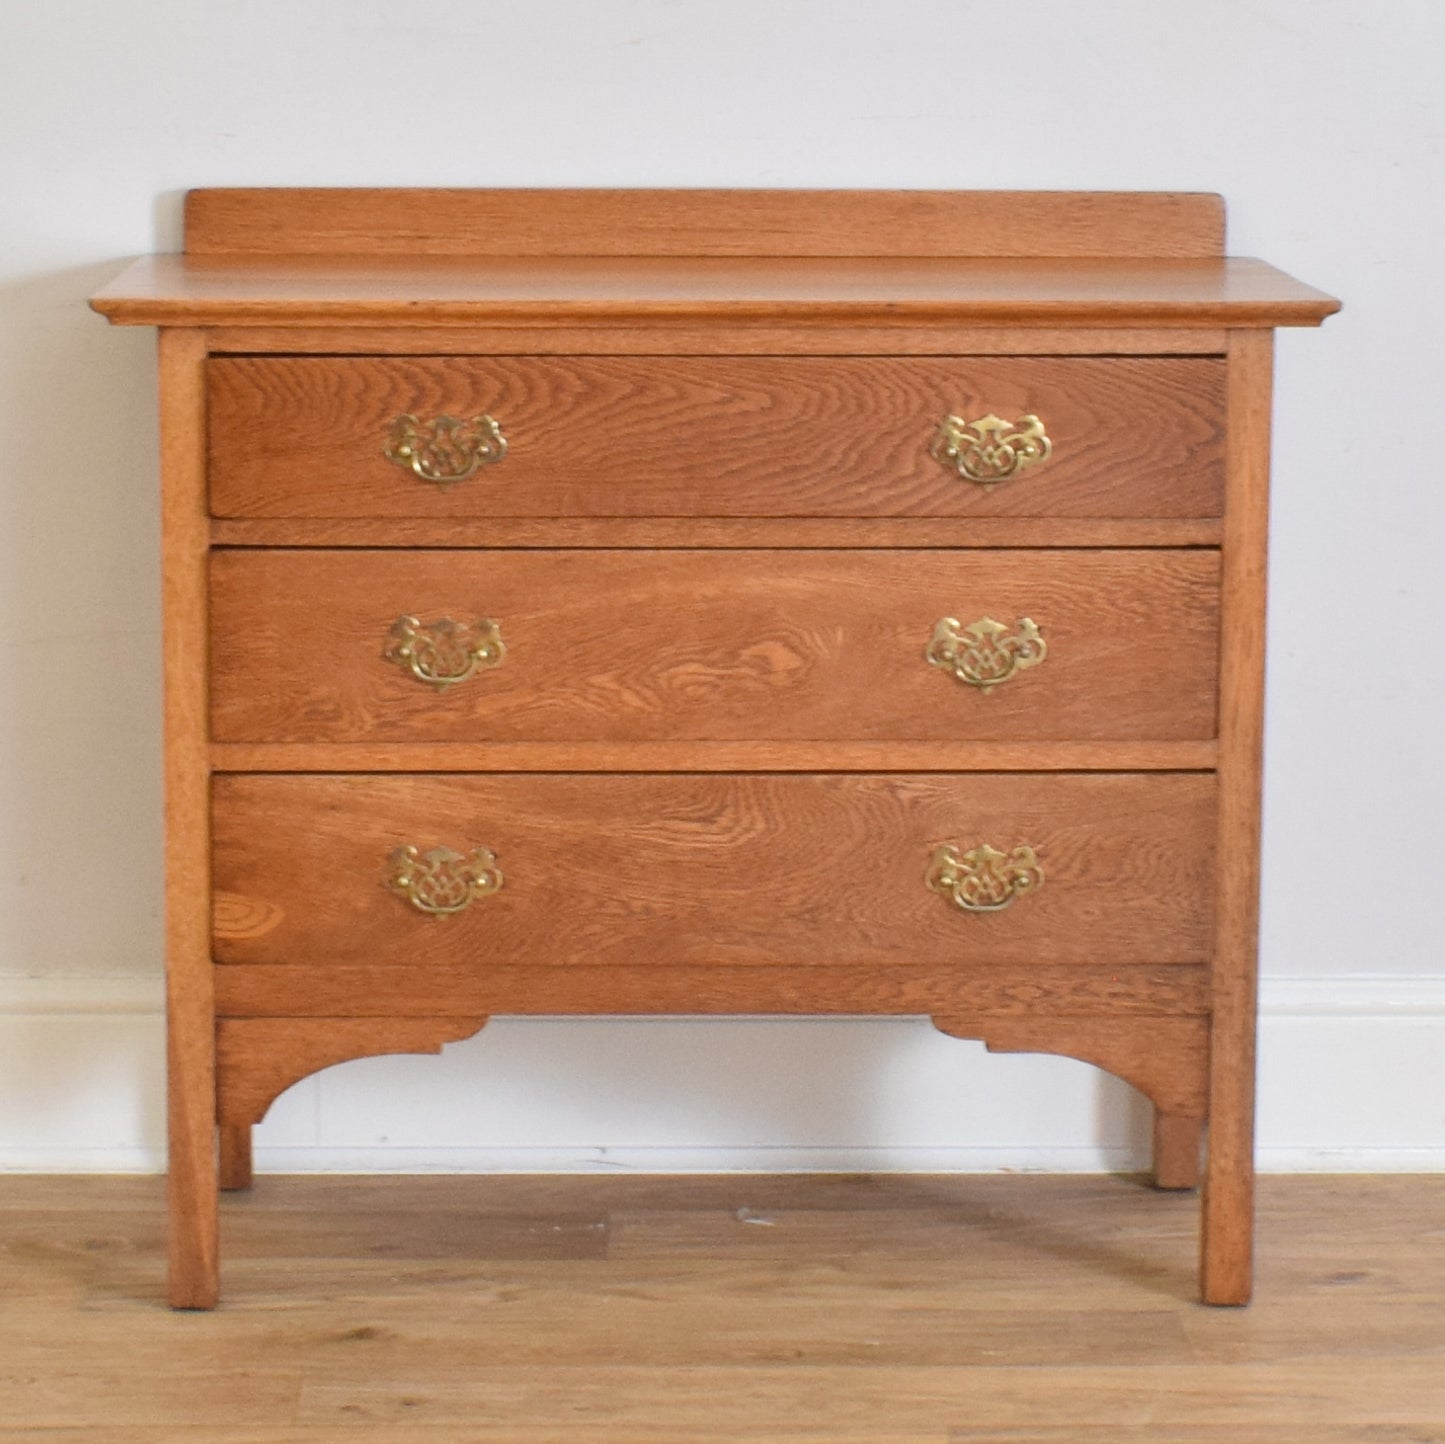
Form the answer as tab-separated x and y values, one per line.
706	602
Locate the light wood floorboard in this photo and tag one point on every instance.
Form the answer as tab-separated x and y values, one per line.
897	1309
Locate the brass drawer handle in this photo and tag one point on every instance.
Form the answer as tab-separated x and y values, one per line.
444	451
990	450
983	880
444	652
441	882
986	653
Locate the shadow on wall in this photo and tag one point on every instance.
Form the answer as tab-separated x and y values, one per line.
79	598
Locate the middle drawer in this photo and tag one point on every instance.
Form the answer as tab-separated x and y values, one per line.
855	645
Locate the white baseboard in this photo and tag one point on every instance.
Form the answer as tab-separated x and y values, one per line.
726	1159
24	997
1377	996
1350	1081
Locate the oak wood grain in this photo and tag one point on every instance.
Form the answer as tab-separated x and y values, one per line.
714	436
757	337
794	294
727	871
1166	1059
1227	1235
728	371
675	646
701	222
257	1059
966	533
190	1002
894	756
259	990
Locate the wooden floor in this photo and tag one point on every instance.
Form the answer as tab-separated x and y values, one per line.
900	1309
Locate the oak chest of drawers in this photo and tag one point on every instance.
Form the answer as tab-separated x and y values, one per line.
707	602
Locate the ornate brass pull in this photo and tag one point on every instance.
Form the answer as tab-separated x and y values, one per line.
444	652
986	653
990	450
983	880
444	451
442	882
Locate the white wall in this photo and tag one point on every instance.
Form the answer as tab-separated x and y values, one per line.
1322	121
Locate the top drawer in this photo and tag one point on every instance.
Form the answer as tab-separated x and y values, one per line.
723	436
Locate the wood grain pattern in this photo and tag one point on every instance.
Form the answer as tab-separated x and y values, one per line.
730	533
700	222
693	645
714	436
190	1002
789	294
1227	1235
756	338
382	991
713	1407
678	871
713	756
710	787
257	1059
1166	1059
887	1309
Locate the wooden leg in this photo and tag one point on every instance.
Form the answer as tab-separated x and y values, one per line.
192	1176
190	985
1227	1235
235	1156
1177	1141
1227	1239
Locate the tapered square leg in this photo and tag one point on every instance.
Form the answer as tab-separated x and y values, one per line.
190	985
1226	1265
1227	1231
192	1176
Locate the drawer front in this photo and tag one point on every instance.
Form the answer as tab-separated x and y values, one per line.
713	870
713	436
688	645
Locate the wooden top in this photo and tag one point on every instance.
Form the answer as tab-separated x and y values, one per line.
703	223
173	290
801	258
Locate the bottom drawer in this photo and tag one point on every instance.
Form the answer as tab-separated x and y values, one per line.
689	870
